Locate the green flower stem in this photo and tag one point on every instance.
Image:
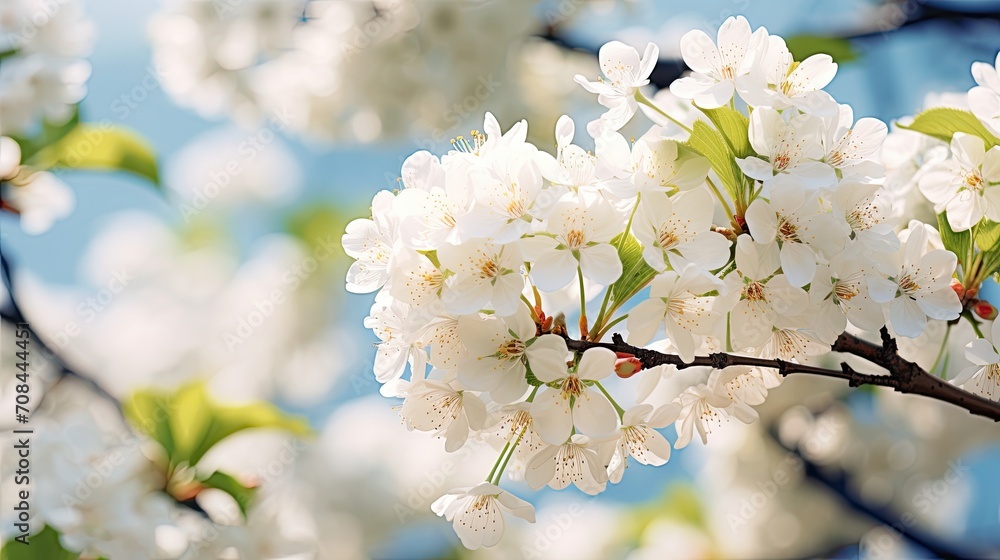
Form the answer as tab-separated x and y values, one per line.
489	478
531	309
599	326
941	352
583	303
605	330
642	99
621	411
973	322
503	467
722	199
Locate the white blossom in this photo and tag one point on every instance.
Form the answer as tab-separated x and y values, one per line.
789	148
717	67
476	513
779	82
678	302
983	376
581	228
438	406
624	73
966	187
676	231
574	402
581	461
640	440
984	99
916	284
500	351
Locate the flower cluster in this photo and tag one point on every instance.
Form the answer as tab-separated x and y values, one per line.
38	196
44	73
762	227
341	68
42	78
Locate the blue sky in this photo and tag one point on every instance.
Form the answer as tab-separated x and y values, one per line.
892	77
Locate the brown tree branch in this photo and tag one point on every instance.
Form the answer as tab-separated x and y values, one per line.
904	376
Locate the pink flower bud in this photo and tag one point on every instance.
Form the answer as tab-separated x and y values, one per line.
959	288
627	367
985	310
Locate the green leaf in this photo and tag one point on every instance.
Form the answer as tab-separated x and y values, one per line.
233	487
49	134
804	46
635	272
991	262
102	147
44	545
956	242
317	224
712	144
735	129
943	122
987	235
530	377
433	257
188	423
150	413
679	503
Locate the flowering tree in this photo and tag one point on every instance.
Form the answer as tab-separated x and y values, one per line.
746	236
547	316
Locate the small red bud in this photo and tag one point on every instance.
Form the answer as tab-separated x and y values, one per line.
985	310
959	288
627	367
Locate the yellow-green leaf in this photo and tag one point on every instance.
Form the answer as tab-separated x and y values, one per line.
316	224
635	272
189	422
987	235
734	128
102	147
804	46
712	144
50	133
956	242
43	545
943	122
233	487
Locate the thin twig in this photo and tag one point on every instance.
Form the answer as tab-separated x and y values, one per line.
904	376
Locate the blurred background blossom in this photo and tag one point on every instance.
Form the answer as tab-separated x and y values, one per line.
247	133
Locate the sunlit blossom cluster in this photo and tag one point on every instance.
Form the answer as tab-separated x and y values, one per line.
341	69
760	227
44	71
43	76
